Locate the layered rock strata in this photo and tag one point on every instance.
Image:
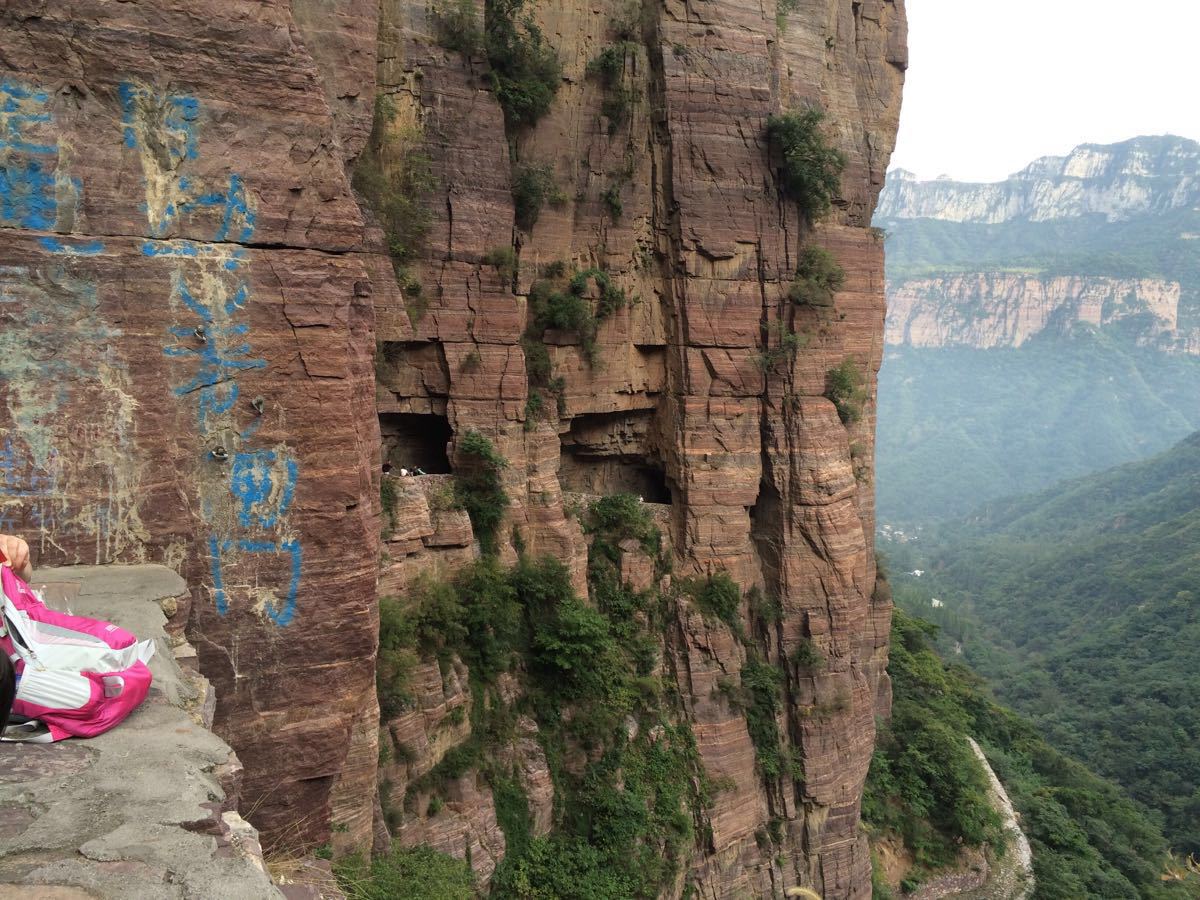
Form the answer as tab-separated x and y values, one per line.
986	310
176	203
679	205
186	358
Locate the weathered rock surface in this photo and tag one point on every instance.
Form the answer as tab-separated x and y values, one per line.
1005	310
1102	238
755	475
186	355
148	809
182	212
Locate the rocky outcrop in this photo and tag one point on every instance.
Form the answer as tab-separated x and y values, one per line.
1006	310
754	474
186	357
1145	175
176	203
149	809
1101	237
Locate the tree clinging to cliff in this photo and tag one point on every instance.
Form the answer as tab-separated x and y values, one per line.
811	169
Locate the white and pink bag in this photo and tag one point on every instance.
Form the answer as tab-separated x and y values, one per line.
77	676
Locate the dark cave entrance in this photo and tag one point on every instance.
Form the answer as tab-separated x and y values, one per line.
415	441
613	453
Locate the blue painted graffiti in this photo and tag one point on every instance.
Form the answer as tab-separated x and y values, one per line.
217	343
27	195
21	478
84	248
210	286
289	549
13	468
19	107
174	120
177	114
264	484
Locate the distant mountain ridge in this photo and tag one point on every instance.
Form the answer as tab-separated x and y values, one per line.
1144	175
1038	328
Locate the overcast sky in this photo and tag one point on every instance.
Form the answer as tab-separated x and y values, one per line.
992	86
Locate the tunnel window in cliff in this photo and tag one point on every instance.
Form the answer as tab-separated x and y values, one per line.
612	453
415	441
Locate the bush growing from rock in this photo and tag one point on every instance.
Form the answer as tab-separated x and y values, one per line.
526	71
818	277
478	488
845	385
811	169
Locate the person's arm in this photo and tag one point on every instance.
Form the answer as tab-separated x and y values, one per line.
16	554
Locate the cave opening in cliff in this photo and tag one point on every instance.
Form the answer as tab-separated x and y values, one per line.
766	531
416	441
612	453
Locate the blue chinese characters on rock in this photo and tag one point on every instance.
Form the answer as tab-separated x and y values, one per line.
247	484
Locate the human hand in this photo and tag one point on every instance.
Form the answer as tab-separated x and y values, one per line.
16	554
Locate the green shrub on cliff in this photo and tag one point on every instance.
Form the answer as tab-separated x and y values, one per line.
845	385
608	67
810	169
405	873
617	517
818	277
457	26
387	506
503	260
552	307
396	657
1088	840
717	595
394	175
533	187
526	71
762	686
478	488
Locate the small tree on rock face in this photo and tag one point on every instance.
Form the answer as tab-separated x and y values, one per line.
478	487
818	278
845	385
526	72
811	169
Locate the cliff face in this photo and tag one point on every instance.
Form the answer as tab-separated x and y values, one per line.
187	373
1001	310
1104	236
752	476
186	365
1064	301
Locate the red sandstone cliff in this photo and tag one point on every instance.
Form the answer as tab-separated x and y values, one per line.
186	375
183	214
759	474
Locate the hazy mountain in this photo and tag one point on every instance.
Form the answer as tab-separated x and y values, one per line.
1038	328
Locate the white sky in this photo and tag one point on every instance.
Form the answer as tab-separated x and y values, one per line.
993	86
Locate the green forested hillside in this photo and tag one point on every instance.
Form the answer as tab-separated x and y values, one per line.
1081	606
1088	839
958	426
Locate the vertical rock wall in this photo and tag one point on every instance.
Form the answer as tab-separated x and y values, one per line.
763	479
186	367
188	320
